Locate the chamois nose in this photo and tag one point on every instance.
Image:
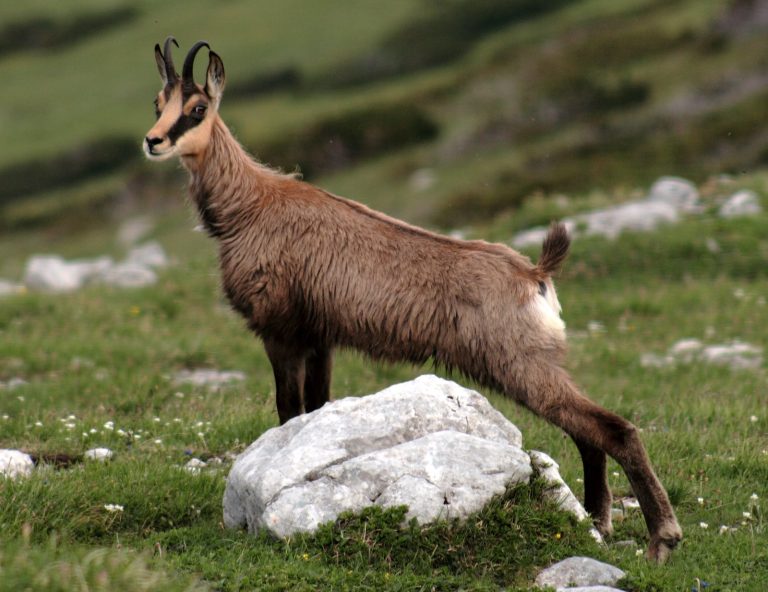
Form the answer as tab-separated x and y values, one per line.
151	142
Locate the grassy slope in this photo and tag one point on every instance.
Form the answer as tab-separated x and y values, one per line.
105	355
695	419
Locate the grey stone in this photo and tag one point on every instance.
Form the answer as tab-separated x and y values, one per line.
128	275
677	192
99	454
737	355
51	273
14	464
590	589
134	229
579	571
208	378
430	444
741	203
151	255
668	198
558	490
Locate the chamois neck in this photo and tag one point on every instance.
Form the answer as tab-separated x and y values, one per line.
222	181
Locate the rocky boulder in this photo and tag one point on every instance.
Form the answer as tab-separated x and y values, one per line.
430	444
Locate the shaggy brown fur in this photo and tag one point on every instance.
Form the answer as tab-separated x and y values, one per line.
311	272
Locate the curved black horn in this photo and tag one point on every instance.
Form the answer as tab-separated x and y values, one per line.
170	70
187	74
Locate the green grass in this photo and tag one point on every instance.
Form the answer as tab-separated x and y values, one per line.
515	115
103	355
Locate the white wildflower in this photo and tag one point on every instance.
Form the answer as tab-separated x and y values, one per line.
754	497
110	425
723	529
39	424
113	508
753	418
747	515
700	500
703	525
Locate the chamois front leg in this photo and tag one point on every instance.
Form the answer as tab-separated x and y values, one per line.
317	379
289	368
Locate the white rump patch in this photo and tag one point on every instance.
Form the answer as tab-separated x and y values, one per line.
547	309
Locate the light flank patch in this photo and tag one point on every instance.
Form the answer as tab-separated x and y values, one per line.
547	311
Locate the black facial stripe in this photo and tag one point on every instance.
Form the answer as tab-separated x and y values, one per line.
183	124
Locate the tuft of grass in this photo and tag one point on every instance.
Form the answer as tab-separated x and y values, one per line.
53	566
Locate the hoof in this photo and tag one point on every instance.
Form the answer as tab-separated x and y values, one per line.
604	526
661	546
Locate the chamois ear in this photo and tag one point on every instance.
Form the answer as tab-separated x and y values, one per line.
215	79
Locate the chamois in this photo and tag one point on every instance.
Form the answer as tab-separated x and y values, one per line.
311	272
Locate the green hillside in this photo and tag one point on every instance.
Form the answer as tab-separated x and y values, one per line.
498	100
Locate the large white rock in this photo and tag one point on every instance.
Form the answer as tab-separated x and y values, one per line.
14	463
430	444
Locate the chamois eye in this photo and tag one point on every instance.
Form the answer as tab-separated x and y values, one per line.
157	108
199	111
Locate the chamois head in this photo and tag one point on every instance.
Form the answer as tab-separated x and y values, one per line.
184	109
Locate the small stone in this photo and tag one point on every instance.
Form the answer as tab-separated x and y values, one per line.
579	571
99	454
14	464
195	465
204	377
128	275
149	255
741	203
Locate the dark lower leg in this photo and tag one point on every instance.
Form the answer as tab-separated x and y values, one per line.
597	495
288	368
551	394
317	381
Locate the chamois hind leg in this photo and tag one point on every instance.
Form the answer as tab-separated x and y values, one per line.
317	380
549	392
597	494
288	366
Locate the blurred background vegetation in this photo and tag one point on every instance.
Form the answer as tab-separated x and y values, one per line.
445	112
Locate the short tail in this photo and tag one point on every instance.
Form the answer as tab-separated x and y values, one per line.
555	249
